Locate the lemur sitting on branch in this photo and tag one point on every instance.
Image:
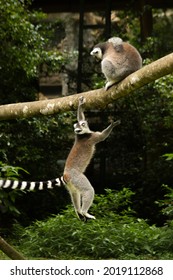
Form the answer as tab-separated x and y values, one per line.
79	187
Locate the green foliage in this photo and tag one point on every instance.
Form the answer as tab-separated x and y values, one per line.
23	51
21	39
167	204
3	256
112	235
113	202
10	172
168	156
7	199
162	29
29	143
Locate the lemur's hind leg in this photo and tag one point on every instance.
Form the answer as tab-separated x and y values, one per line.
75	198
82	195
87	200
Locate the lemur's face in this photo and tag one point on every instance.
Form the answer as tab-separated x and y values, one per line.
97	53
81	127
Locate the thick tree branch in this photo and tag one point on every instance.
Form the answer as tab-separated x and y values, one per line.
96	98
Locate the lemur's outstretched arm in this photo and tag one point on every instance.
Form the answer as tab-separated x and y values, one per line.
101	136
105	133
80	110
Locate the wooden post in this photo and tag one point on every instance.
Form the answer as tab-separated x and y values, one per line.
146	19
10	251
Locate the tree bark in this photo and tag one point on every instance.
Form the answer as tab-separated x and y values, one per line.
9	250
95	98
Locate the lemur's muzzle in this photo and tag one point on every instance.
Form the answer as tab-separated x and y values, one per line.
77	130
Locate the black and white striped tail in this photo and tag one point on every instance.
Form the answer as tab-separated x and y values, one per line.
26	185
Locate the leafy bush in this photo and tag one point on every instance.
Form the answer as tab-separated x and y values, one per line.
10	172
112	235
167	203
23	51
8	208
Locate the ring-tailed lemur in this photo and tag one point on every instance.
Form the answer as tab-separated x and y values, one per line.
79	187
118	59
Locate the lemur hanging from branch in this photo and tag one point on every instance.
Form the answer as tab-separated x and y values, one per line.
79	187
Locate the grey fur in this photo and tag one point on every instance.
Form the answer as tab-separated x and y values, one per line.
118	59
81	191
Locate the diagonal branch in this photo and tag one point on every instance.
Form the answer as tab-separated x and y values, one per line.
95	98
10	251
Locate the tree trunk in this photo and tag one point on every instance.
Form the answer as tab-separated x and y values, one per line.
96	98
9	250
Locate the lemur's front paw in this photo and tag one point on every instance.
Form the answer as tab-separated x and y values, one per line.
116	123
82	100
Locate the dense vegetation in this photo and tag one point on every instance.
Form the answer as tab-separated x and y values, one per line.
136	221
116	234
